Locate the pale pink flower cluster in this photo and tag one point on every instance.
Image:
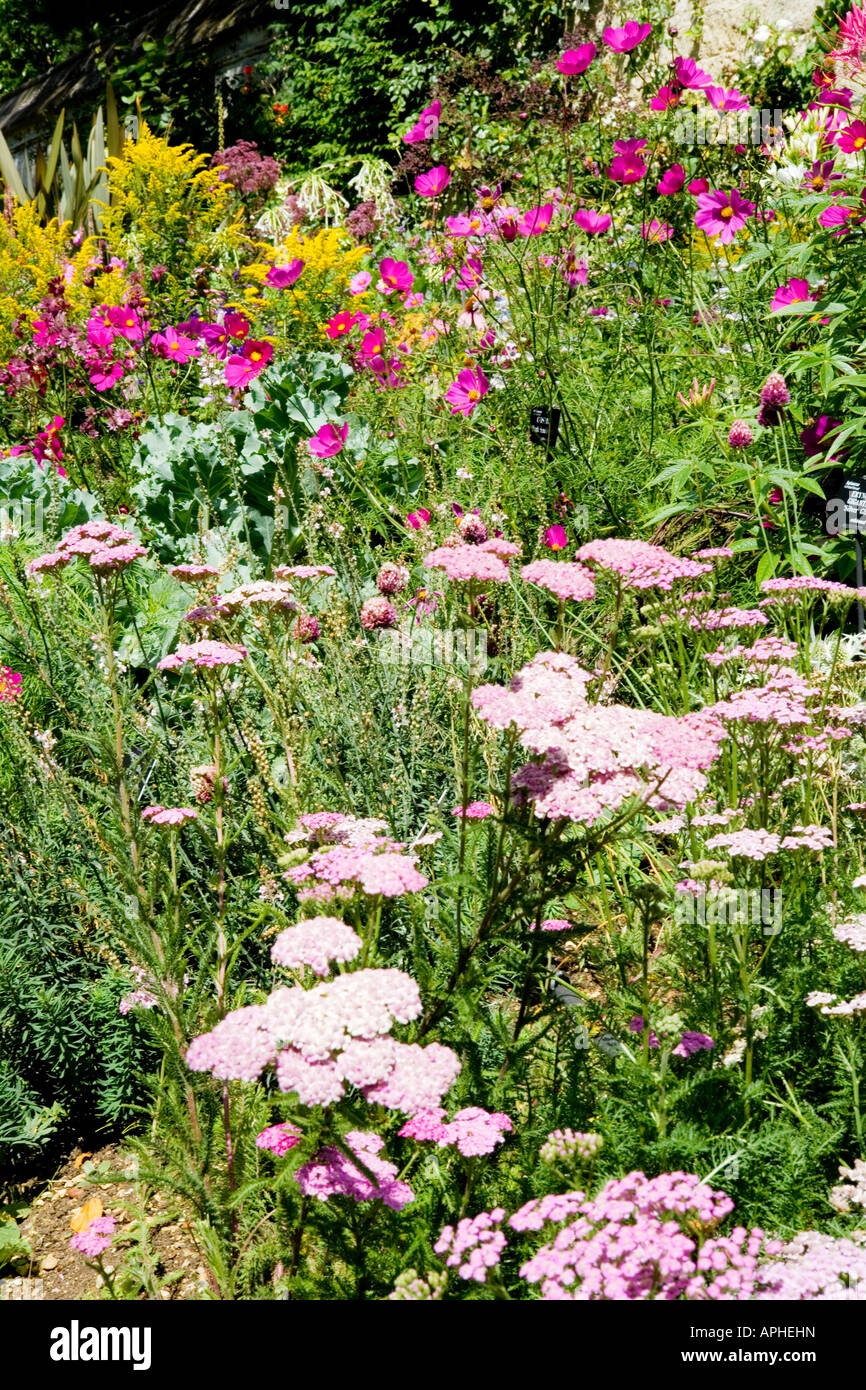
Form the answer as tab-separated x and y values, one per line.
332	1174
641	565
104	546
206	655
635	1240
593	758
373	870
192	574
472	1131
468	562
554	924
747	844
304	572
169	815
316	942
716	618
475	1246
278	1139
852	1193
260	593
852	931
95	1239
563	578
788	590
814	837
782	701
816	1266
767	651
333	1034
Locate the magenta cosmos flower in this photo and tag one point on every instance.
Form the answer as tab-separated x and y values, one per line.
628	37
556	537
464	394
592	222
726	101
574	61
427	125
536	221
688	74
328	441
418	520
795	292
667	98
722	214
627	168
243	367
672	181
852	138
279	277
395	275
434	182
656	231
174	346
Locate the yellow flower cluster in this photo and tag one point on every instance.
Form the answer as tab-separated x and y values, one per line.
330	260
31	256
167	208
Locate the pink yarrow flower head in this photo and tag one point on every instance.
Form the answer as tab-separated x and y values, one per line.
628	37
205	655
476	810
468	563
574	61
169	815
464	394
278	1139
723	214
434	182
316	942
280	277
328	440
565	580
95	1239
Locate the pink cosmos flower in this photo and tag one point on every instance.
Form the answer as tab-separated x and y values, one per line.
373	345
698	186
341	324
628	37
576	60
427	125
244	367
536	221
464	394
627	169
174	346
667	98
434	182
128	323
838	218
106	375
360	282
672	181
656	231
418	520
592	222
395	275
820	174
220	337
688	74
279	277
328	440
722	214
795	292
726	101
852	138
556	537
